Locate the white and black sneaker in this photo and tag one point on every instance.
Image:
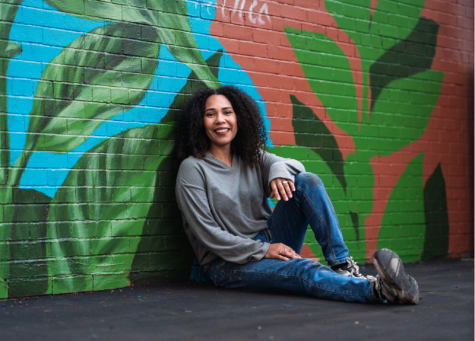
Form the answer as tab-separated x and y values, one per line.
351	269
392	283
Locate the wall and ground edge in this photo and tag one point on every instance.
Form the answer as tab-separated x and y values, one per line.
373	96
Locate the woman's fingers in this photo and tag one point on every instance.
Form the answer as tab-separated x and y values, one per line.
283	192
282	188
275	191
291	253
287	189
282	252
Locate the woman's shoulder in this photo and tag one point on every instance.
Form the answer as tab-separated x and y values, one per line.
190	169
189	164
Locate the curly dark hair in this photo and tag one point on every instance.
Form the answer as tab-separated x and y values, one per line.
191	138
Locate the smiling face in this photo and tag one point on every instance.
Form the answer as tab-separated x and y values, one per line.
220	122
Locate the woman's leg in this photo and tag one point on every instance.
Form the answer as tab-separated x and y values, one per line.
288	225
310	205
302	276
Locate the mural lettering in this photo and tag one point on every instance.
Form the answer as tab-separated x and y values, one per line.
239	9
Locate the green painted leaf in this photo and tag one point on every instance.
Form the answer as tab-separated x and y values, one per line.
436	242
175	32
401	113
108	195
310	132
71	7
360	179
118	191
393	21
328	72
406	58
168	17
403	226
90	81
352	16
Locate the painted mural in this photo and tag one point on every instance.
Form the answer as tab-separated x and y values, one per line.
89	90
399	95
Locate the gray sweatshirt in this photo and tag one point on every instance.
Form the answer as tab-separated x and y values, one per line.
224	207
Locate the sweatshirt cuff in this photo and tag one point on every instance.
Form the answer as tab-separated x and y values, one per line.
262	252
280	172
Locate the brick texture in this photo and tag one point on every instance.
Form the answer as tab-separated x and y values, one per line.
377	101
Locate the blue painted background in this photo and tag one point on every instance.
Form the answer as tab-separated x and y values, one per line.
43	32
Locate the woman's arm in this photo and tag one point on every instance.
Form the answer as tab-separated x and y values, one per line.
279	175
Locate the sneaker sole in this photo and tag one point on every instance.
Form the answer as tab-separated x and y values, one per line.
389	266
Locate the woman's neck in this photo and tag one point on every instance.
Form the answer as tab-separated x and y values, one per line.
222	154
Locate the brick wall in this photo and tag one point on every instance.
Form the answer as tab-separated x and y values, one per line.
375	97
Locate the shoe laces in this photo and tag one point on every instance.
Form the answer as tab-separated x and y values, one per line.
353	267
355	270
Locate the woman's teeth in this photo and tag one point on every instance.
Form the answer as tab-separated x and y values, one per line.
222	131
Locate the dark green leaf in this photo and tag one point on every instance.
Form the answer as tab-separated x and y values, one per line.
10	49
356	224
312	133
436	241
26	220
406	58
90	81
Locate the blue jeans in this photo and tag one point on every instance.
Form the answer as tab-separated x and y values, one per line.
310	205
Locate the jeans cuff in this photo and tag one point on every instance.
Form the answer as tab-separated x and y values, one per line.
337	261
372	296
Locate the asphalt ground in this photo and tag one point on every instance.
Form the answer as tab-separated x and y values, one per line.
201	311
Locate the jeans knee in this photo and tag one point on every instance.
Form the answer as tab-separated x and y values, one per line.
307	179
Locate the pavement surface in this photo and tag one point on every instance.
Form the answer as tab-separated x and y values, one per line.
201	311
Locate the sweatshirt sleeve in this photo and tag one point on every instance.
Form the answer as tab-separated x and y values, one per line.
193	203
279	167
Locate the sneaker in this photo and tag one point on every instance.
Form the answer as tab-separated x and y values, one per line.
350	269
392	283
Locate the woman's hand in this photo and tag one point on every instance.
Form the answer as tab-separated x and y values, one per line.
282	188
281	251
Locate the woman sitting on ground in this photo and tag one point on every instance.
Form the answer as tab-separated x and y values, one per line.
224	181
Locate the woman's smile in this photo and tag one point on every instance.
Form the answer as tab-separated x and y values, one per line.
222	131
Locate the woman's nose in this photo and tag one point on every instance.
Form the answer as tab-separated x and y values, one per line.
220	118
